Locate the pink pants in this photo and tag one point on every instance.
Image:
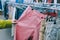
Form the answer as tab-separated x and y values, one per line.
28	25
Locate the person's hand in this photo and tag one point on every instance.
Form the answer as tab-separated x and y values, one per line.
14	21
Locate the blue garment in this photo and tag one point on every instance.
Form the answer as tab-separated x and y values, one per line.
19	1
50	10
0	5
19	13
5	10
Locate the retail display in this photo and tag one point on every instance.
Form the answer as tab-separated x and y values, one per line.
26	1
49	1
39	0
19	13
11	12
29	29
6	10
33	19
0	5
19	1
51	32
42	30
58	1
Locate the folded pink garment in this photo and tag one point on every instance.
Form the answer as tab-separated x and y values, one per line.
28	25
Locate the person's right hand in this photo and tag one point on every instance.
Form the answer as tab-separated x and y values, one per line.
14	21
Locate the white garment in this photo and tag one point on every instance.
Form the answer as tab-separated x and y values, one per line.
2	2
12	17
28	1
12	0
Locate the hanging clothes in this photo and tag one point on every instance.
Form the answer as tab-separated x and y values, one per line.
52	1
19	1
42	30
39	0
58	1
59	13
6	10
28	25
10	12
0	5
28	1
53	14
19	13
49	1
34	0
12	1
51	32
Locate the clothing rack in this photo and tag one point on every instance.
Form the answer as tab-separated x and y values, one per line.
34	5
58	4
39	5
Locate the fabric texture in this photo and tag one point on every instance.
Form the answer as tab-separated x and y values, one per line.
51	31
42	30
49	1
28	25
18	13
